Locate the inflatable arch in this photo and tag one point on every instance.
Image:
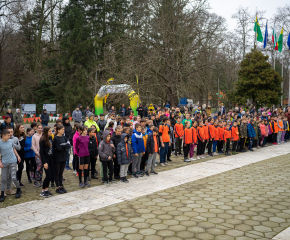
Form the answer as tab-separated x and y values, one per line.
109	89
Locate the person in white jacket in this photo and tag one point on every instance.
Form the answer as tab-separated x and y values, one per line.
112	119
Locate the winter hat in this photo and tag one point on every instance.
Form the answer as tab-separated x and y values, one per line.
90	114
7	116
44	110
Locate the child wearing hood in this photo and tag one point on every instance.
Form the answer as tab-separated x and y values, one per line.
106	152
124	156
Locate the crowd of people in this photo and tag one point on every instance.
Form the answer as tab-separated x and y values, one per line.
126	144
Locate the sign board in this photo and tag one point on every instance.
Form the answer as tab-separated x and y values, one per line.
50	108
28	108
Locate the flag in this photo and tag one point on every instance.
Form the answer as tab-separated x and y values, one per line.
257	29
266	36
280	41
274	39
288	42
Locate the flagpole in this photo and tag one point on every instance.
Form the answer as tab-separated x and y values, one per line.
282	82
256	25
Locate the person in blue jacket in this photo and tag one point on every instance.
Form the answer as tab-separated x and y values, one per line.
251	133
29	154
138	150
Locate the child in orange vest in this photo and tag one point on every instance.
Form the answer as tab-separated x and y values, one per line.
220	143
194	140
200	139
216	138
235	137
211	133
206	135
280	129
187	140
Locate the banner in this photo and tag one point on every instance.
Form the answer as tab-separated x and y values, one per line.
50	108
28	108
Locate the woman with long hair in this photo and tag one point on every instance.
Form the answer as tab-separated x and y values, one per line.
46	155
35	147
19	132
61	144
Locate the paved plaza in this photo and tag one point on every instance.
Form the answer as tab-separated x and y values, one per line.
245	196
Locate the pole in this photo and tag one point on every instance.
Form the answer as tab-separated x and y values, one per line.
289	82
256	25
96	79
282	83
218	91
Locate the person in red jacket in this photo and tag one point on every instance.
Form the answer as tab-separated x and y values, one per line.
194	140
206	135
235	137
227	138
178	133
211	133
220	144
200	139
187	140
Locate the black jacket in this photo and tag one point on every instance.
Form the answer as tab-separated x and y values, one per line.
46	152
122	157
61	144
93	149
67	129
102	124
150	143
116	140
44	118
11	116
140	111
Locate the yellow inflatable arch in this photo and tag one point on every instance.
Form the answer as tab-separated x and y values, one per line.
121	88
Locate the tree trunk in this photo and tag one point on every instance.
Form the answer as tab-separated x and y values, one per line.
38	39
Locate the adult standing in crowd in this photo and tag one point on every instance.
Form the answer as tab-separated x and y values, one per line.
145	111
112	110
87	110
17	116
128	111
7	122
122	111
77	115
9	113
44	118
140	111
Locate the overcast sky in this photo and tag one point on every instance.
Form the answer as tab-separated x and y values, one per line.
226	8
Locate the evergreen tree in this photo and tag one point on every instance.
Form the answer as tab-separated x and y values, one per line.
76	57
257	81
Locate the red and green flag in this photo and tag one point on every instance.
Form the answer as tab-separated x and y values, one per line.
274	39
280	41
258	31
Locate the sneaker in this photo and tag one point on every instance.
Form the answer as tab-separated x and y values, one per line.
88	178
179	154
36	184
112	181
169	160
192	159
74	172
2	198
227	154
202	156
155	164
49	193
62	189
10	192
77	174
139	175
122	179
81	185
102	181
117	177
67	168
29	181
18	194
94	177
252	150
186	160
198	158
134	175
44	194
87	184
175	154
154	172
21	185
106	183
59	191
126	180
52	185
147	174
162	165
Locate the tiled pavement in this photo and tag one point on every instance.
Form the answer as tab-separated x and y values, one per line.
251	202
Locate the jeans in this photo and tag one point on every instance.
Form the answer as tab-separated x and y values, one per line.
68	151
251	140
163	152
214	144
